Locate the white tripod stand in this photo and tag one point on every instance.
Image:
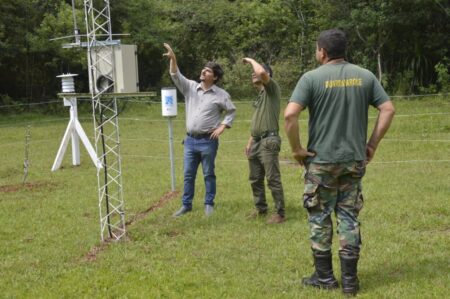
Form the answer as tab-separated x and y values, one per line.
74	130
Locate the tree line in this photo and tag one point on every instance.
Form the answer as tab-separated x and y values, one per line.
405	43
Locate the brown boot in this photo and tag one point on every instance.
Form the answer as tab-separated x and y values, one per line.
275	219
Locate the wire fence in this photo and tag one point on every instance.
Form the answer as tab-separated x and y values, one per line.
292	162
152	140
30	104
142	101
156	120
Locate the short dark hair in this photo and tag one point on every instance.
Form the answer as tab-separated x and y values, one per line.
268	69
334	41
216	68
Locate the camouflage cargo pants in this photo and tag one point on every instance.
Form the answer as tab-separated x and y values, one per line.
263	163
334	187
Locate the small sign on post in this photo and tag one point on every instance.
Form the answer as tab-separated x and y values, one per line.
169	101
169	110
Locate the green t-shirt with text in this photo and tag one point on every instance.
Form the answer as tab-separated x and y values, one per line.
338	98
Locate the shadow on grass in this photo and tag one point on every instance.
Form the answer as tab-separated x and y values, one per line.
421	268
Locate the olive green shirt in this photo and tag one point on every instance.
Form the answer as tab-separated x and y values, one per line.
338	98
267	110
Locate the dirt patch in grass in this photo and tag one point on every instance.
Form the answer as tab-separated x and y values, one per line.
172	234
161	202
438	230
27	186
91	256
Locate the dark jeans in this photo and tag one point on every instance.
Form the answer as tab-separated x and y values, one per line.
263	163
202	150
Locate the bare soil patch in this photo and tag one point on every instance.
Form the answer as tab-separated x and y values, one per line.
91	256
161	202
28	186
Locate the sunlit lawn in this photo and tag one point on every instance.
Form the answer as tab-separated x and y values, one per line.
50	232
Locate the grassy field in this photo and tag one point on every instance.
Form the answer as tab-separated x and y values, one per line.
50	235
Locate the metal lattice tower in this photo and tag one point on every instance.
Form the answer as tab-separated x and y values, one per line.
105	114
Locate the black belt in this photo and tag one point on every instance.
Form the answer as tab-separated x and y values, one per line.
265	135
199	136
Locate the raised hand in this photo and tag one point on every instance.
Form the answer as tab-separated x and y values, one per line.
246	60
169	54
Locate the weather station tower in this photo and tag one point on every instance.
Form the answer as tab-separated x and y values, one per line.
113	75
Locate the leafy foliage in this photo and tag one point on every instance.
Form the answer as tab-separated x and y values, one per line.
404	44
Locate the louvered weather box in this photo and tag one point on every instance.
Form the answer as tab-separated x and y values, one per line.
126	69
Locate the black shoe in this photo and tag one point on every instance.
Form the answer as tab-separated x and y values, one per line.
314	281
323	277
183	210
349	269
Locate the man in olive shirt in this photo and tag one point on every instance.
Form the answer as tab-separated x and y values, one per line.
205	104
263	146
338	95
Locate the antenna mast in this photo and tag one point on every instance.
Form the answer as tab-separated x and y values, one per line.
101	65
76	31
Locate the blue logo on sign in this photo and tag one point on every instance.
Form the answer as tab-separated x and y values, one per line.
169	100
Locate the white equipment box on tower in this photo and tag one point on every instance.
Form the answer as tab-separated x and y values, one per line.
126	69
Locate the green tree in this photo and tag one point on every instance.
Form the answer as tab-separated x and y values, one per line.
405	45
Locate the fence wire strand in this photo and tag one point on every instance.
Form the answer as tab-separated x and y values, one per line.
182	103
134	119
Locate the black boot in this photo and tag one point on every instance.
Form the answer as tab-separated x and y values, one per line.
323	276
349	269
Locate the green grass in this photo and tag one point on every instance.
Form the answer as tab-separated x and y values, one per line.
47	230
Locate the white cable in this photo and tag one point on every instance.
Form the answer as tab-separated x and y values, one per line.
224	141
183	120
411	161
144	139
301	120
416	140
7	125
32	122
245	140
422	114
30	104
293	162
420	95
235	102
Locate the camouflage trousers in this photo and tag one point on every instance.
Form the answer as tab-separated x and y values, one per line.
334	187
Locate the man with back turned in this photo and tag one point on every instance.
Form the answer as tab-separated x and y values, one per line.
338	95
